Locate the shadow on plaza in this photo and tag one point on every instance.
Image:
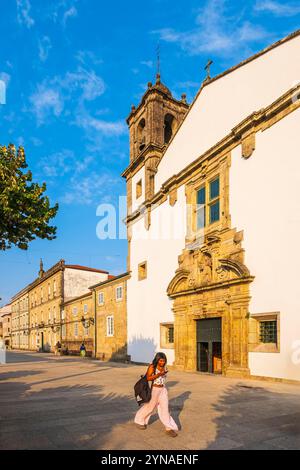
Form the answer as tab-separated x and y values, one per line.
17	357
35	416
63	417
252	417
17	374
176	405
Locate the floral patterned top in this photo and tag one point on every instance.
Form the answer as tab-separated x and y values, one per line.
159	380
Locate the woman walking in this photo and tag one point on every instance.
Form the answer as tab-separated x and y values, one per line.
82	350
156	374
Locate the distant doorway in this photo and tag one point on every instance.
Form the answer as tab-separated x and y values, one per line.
209	345
42	342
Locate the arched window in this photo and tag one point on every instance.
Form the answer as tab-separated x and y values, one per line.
141	134
169	127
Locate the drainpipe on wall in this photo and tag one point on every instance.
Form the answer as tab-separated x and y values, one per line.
62	299
95	324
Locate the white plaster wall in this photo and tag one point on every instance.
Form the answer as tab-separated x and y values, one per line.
265	203
227	101
148	304
140	175
77	281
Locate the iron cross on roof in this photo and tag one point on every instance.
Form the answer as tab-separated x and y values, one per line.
207	68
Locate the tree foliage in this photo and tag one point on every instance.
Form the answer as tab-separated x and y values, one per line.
25	211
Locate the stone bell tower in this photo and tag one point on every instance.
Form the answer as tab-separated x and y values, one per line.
152	125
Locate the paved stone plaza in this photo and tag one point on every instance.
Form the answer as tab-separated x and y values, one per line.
49	402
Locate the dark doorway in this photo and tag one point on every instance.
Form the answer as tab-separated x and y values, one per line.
42	341
209	345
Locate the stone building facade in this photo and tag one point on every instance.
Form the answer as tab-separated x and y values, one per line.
78	324
207	284
5	319
38	308
110	301
20	320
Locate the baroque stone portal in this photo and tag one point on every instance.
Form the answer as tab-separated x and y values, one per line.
212	281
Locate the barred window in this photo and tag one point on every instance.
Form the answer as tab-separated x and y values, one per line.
110	326
170	334
268	331
100	298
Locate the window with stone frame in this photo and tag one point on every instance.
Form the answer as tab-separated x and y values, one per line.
76	329
119	293
100	298
142	271
167	335
85	309
208	203
264	332
138	189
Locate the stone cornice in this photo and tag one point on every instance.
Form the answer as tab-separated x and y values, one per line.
60	266
57	267
213	286
150	148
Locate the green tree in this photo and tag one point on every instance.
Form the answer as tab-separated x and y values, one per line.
25	211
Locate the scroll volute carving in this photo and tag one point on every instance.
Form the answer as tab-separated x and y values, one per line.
248	145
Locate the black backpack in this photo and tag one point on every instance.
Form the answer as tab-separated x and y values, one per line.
142	391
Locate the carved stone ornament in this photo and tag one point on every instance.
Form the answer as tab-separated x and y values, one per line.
248	145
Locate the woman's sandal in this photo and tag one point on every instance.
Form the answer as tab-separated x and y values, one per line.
141	426
171	433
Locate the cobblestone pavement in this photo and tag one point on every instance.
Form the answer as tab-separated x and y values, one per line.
49	402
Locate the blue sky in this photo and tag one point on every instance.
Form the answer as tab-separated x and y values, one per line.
74	68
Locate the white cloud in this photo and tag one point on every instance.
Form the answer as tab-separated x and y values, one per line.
216	32
86	57
107	128
46	101
52	94
90	189
36	142
60	163
62	10
147	63
23	13
70	13
5	77
44	48
277	8
91	85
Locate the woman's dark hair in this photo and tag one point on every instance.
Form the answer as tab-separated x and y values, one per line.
158	356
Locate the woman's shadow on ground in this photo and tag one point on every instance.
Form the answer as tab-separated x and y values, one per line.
176	406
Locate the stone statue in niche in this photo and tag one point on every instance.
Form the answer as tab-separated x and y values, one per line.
205	269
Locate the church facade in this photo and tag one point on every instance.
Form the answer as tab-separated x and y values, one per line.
213	218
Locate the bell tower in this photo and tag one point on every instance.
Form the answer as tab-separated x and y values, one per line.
152	125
